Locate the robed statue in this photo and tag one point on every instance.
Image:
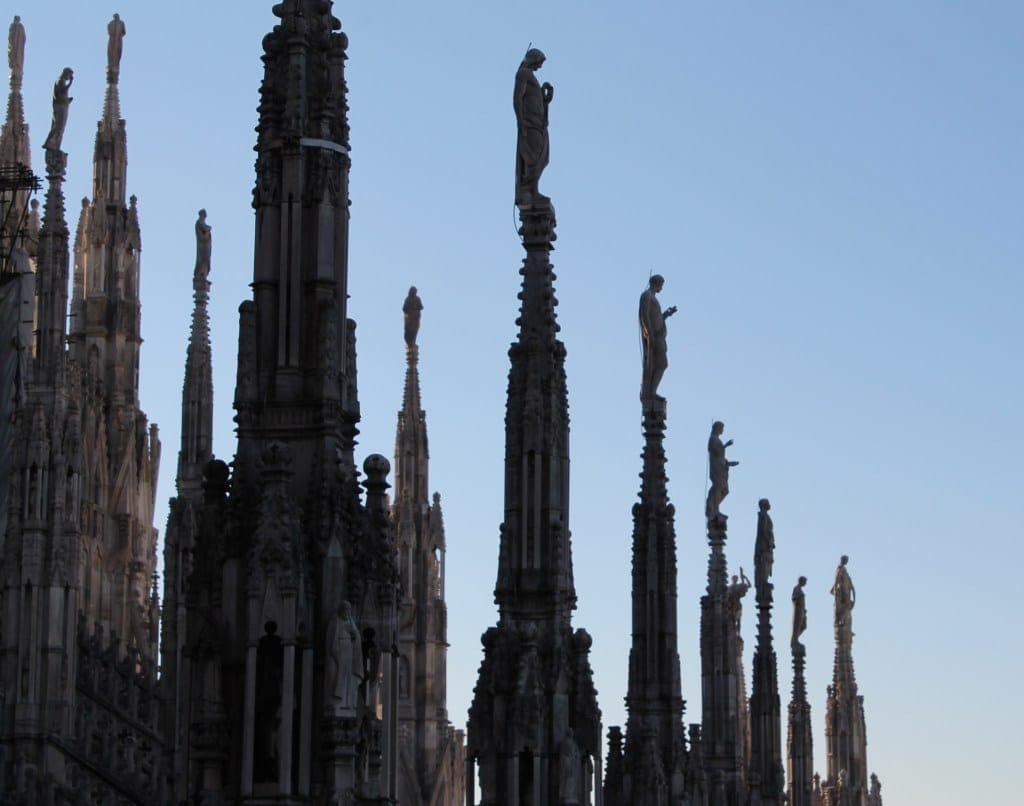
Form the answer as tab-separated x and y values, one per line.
845	598
530	100
411	310
204	246
719	470
61	102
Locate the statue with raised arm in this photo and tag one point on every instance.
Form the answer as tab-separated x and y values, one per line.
719	470
16	50
530	100
799	613
61	102
764	545
411	309
845	597
734	595
653	340
115	43
204	247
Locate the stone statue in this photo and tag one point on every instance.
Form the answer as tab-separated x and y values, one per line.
719	468
735	593
799	612
344	651
16	50
844	594
568	770
204	246
875	794
764	546
653	339
115	42
61	102
530	100
411	310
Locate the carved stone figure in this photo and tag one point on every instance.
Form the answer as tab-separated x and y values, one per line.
719	469
653	339
799	612
411	309
844	594
115	42
735	593
204	246
16	50
569	770
61	102
345	669
764	547
530	100
875	794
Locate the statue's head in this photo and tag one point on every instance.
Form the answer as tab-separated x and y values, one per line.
202	213
657	282
802	581
717	427
844	560
534	58
67	73
412	291
764	504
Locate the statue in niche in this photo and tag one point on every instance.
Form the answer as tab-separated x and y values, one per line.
569	770
411	309
269	674
799	612
16	49
204	247
61	101
345	668
115	43
371	668
719	468
735	593
530	100
845	596
653	339
764	546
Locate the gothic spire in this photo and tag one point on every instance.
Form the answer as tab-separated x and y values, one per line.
845	727
52	261
725	717
800	764
197	393
14	146
534	720
766	775
655	743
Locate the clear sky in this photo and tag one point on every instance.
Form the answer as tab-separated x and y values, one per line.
835	196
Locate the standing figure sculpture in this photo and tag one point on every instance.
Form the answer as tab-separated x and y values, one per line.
530	100
204	246
735	593
764	546
411	309
16	50
61	102
346	660
719	470
799	613
654	341
845	598
115	43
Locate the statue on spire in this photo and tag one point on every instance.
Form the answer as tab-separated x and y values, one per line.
16	50
61	101
530	101
653	338
204	247
411	309
115	42
719	468
799	614
845	598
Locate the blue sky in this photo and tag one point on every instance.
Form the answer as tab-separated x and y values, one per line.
835	196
